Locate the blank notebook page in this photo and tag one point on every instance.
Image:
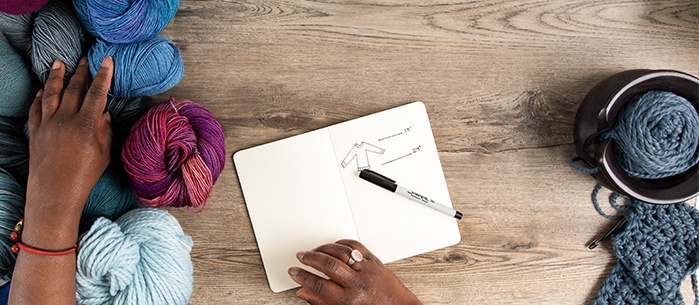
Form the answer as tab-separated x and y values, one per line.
296	200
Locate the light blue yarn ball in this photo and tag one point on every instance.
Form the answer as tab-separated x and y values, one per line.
141	258
125	21
15	82
11	210
111	197
141	68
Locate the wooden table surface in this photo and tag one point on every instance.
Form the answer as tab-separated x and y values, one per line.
501	81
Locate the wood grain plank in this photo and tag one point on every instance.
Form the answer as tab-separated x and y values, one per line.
501	81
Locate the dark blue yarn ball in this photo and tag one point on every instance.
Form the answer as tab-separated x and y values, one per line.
14	149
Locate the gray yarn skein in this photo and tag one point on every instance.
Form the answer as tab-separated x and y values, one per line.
18	31
57	35
54	32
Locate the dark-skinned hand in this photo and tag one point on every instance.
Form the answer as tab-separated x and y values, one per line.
367	281
69	146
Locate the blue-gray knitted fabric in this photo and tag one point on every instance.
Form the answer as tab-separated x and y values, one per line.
656	251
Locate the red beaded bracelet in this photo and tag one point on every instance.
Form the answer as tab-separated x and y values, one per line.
17	234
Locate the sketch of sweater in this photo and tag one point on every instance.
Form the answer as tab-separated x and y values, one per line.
360	153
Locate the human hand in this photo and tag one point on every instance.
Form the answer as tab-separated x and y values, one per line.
69	139
367	281
69	145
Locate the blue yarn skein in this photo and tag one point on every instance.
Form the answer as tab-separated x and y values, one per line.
125	21
14	149
656	135
141	258
11	210
15	82
142	68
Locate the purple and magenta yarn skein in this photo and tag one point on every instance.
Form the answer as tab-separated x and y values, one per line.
174	155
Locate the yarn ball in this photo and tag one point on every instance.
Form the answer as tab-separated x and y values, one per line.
54	32
110	197
141	68
125	112
11	210
19	7
174	154
141	258
14	149
656	135
57	35
18	30
125	21
15	82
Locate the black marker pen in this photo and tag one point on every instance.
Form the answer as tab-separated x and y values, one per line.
391	185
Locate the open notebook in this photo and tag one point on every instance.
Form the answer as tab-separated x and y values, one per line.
305	191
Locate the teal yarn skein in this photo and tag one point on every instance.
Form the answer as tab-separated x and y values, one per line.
125	21
142	68
11	210
14	149
111	197
15	82
141	258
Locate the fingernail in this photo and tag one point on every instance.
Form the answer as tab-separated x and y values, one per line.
293	272
56	64
106	63
108	116
40	93
83	61
299	255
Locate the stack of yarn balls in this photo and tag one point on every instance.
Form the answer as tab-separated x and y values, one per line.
167	155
